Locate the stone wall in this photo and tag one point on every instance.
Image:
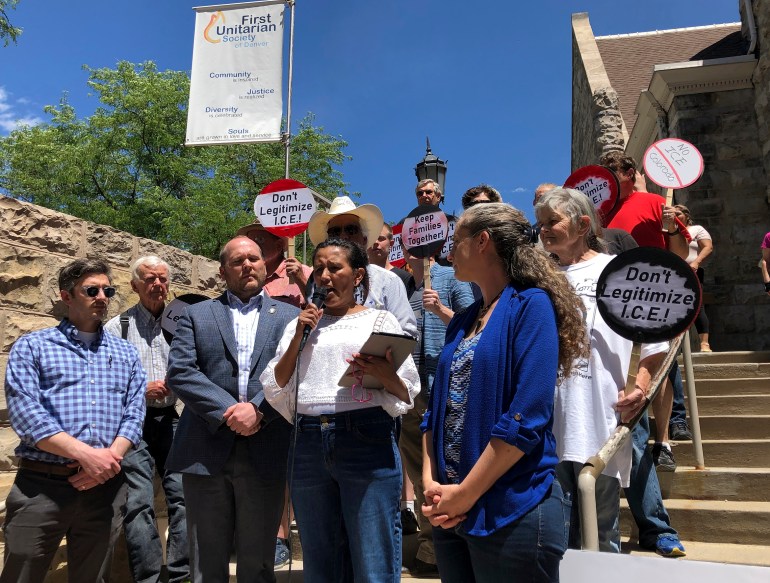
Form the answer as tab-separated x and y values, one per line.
36	242
761	79
602	130
729	201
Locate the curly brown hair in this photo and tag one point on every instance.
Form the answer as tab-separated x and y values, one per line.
512	237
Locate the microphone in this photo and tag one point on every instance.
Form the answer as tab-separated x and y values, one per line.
318	299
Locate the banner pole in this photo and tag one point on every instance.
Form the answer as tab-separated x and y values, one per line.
287	135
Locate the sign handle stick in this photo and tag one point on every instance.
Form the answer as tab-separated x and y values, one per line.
633	367
426	272
292	244
287	134
669	196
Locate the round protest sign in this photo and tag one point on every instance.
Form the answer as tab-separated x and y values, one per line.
648	295
424	231
174	310
284	207
396	257
450	237
599	184
673	163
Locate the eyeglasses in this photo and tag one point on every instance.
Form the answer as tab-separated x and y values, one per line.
426	191
357	390
351	230
93	290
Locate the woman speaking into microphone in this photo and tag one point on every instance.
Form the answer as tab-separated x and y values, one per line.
346	487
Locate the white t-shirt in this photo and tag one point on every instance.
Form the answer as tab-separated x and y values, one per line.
584	407
697	233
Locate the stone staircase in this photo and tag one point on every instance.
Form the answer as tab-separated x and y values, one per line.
722	513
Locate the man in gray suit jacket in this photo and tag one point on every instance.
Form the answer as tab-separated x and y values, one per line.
231	445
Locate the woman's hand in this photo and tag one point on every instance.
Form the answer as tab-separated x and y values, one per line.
446	505
308	317
629	405
431	301
380	368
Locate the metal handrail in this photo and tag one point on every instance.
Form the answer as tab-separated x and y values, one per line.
595	465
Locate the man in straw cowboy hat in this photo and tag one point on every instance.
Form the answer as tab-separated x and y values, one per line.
360	225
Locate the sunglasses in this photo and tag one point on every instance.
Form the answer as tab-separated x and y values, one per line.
351	230
93	290
426	191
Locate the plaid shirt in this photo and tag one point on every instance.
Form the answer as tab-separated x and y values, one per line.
146	335
56	383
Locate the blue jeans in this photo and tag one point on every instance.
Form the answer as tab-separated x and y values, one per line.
678	410
145	554
607	507
529	549
346	493
643	493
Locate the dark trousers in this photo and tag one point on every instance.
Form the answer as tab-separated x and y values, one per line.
42	509
145	553
236	509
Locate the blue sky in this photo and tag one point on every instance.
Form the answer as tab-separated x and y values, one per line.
490	82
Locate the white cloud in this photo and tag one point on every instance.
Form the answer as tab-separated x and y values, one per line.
12	117
520	189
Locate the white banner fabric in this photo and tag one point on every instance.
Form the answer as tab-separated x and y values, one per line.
236	88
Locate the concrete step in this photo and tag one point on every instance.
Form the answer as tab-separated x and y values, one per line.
731	370
730	357
717	427
758	555
733	484
733	404
725	387
713	521
725	453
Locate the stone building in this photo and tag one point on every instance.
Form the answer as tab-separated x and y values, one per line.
709	85
35	243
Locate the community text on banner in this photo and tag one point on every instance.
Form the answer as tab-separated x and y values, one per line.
236	81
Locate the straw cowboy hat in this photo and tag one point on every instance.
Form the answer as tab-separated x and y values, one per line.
251	227
370	219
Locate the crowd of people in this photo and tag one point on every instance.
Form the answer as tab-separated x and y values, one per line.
258	409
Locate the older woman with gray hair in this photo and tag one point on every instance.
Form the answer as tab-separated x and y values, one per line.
590	401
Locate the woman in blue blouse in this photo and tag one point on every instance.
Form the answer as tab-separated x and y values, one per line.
489	471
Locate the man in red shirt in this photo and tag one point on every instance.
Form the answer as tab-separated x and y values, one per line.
642	214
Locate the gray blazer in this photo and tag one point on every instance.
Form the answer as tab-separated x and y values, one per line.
203	372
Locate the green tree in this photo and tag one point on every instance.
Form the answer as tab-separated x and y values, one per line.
8	32
126	165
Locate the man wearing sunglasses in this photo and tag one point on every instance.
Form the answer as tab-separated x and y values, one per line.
344	220
76	400
429	192
141	326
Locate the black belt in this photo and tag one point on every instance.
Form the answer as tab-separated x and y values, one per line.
48	468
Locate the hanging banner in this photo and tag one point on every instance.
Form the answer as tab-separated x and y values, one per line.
236	81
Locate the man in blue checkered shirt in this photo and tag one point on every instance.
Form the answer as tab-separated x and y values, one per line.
76	400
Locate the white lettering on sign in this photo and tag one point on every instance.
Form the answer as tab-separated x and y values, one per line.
648	296
673	163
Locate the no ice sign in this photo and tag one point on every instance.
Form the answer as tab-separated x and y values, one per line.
284	207
648	295
673	163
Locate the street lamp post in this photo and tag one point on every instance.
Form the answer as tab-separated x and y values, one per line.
431	167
